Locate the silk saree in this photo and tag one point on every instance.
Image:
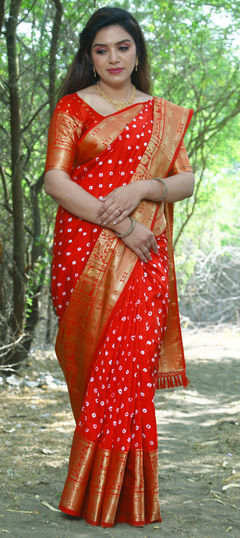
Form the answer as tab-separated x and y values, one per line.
119	336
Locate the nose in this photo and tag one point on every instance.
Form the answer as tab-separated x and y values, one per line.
113	55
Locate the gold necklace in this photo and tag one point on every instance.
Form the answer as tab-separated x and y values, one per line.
117	104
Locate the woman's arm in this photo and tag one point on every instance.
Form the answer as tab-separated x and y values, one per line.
71	196
124	200
85	206
179	187
76	200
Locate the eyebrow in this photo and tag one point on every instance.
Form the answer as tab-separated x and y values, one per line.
106	45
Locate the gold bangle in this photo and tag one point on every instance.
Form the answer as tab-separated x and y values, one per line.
165	189
128	231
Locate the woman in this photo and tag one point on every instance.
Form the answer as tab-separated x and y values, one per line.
110	145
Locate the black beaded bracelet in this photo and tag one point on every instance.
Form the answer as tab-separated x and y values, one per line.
165	190
121	236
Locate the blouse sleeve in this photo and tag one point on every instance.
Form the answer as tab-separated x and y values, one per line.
64	132
182	163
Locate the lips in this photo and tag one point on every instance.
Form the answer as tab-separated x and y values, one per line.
116	70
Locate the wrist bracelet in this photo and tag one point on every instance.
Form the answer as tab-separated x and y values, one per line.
128	231
165	190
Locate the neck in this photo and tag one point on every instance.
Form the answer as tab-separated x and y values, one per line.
120	92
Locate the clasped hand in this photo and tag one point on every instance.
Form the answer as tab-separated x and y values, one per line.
118	204
142	241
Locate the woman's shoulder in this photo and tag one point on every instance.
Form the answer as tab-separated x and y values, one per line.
87	92
69	104
88	95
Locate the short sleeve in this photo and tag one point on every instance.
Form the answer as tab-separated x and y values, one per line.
182	163
64	132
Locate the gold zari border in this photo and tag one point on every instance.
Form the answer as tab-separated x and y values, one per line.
107	486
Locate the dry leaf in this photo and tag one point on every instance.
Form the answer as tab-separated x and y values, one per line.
218	501
7	431
24	511
214	500
215	493
234	476
45	503
47	451
233	485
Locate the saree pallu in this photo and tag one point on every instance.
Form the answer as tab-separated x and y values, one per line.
114	320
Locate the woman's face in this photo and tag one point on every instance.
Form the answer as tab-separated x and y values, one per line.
114	55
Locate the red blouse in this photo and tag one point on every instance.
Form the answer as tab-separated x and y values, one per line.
71	119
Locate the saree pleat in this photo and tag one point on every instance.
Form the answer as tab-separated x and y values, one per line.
113	312
122	487
118	410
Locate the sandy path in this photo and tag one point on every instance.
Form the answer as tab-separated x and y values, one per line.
199	448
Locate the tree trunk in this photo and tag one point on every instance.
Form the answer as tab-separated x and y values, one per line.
37	244
16	172
2	7
53	52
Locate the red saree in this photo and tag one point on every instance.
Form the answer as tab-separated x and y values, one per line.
119	333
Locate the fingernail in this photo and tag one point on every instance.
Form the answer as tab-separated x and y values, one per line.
114	222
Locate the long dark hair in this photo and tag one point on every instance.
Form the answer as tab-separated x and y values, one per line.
80	74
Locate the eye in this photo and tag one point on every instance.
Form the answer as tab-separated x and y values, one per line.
123	48
101	51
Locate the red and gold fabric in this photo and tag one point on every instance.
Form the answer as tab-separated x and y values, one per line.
119	335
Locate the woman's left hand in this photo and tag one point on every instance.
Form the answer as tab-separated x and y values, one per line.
120	203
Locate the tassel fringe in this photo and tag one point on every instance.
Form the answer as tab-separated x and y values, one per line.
172	380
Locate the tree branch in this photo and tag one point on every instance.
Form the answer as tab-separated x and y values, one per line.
53	53
5	189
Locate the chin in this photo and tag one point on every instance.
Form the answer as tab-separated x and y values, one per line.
115	80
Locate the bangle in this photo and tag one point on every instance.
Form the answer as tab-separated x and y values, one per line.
165	190
128	231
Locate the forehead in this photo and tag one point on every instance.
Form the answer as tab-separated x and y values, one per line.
111	35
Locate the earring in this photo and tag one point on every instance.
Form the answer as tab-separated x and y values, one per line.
94	72
136	64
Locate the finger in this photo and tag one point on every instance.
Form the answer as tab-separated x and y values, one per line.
121	217
104	207
141	255
154	244
112	217
108	211
146	253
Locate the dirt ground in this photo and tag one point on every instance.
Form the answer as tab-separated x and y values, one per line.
199	447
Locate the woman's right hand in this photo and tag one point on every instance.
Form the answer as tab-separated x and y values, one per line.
141	241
